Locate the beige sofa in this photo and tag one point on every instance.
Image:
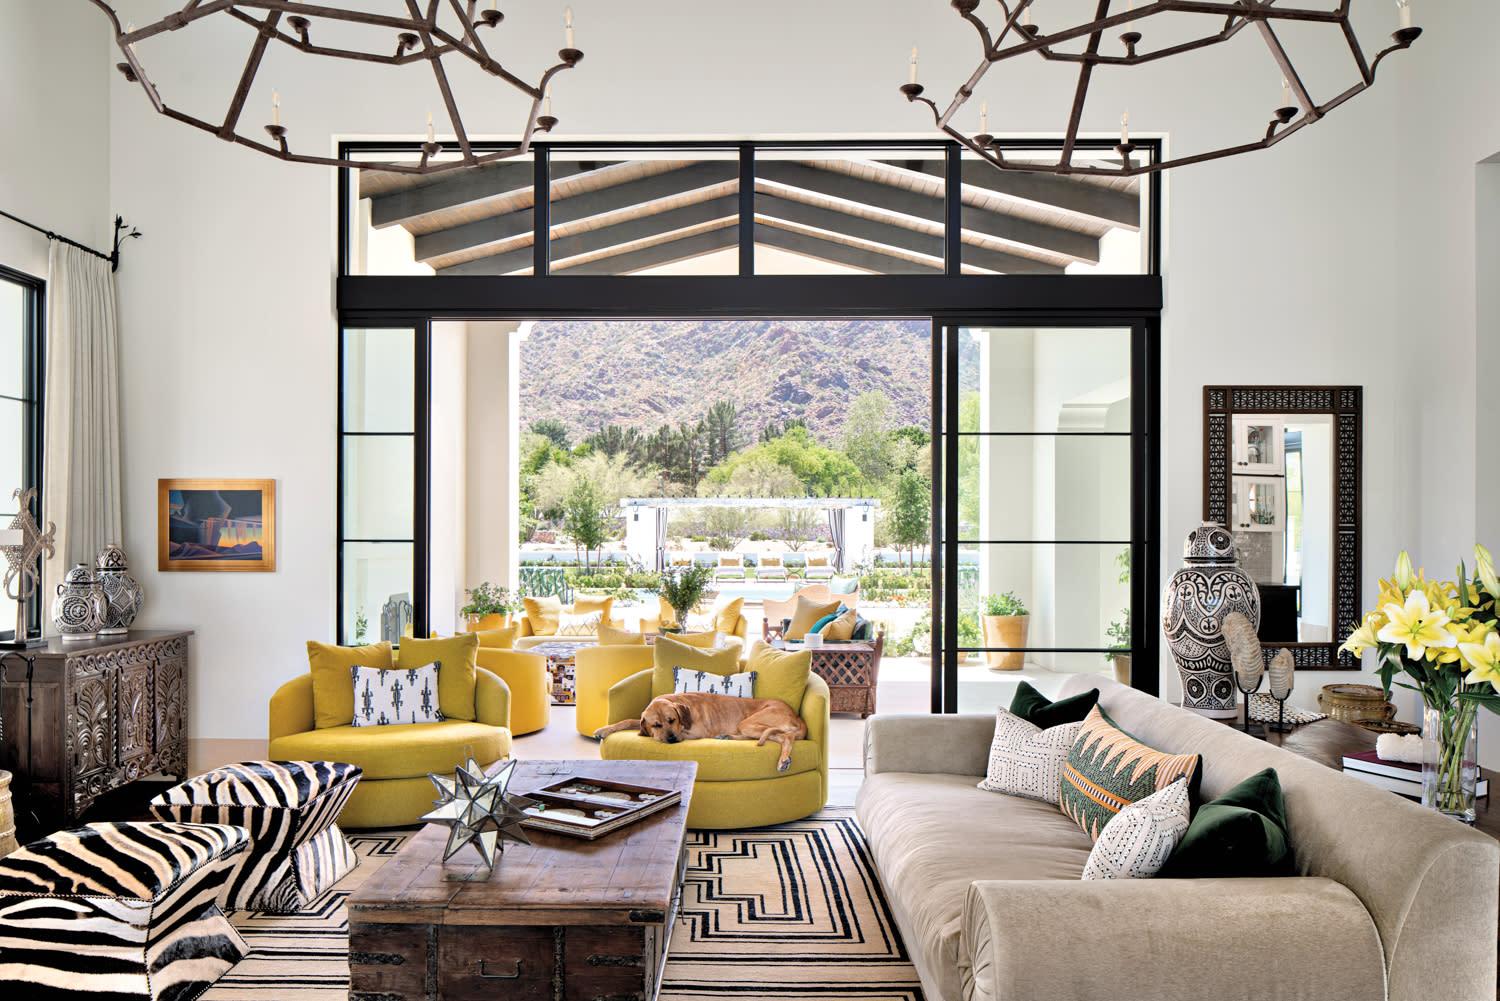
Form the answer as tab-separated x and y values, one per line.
1391	900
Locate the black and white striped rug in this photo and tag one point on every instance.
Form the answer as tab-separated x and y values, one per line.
793	911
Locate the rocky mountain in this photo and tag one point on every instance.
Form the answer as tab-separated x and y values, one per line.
647	373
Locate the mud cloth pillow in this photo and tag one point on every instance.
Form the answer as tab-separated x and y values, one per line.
1141	837
1026	760
1243	833
459	656
386	698
739	686
333	692
667	654
1108	769
1034	707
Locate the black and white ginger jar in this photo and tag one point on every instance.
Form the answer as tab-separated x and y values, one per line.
121	591
1209	586
79	609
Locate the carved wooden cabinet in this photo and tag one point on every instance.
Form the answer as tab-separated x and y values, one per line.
92	715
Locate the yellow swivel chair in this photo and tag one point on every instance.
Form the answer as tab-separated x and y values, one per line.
395	790
737	784
530	684
596	670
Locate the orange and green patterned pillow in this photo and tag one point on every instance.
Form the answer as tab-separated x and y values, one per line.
1108	769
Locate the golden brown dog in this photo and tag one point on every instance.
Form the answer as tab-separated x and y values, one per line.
695	715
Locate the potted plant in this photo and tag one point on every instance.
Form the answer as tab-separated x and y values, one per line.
1119	635
489	607
1005	619
682	587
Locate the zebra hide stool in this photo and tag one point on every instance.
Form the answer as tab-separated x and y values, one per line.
289	807
120	911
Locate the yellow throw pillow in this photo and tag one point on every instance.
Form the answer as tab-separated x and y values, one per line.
807	614
584	604
841	628
780	674
770	561
727	619
333	685
668	653
817	561
700	640
456	678
498	639
542	614
610	636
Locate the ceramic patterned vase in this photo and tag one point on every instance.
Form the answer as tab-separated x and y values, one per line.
1209	586
79	609
122	594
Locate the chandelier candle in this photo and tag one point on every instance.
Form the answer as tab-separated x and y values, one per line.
912	77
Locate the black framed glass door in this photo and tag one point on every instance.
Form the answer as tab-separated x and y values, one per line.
1045	508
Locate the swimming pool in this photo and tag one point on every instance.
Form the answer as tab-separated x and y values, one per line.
758	590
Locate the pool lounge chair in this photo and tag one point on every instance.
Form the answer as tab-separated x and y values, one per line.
770	568
729	568
818	568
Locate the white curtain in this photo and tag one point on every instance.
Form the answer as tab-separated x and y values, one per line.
81	457
836	529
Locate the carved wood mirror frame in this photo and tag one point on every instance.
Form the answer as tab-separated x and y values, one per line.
1220	405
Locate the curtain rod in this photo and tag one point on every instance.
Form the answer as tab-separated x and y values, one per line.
113	258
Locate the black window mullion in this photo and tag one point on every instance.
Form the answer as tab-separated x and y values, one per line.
950	528
421	566
747	210
939	447
541	211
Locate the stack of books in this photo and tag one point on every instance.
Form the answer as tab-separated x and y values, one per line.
1403	777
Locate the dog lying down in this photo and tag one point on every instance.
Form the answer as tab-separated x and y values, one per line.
694	715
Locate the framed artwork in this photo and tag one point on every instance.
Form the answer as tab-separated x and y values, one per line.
216	525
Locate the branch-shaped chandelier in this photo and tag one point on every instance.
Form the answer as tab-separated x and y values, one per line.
445	28
1019	36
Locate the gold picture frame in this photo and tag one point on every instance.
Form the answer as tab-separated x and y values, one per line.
216	525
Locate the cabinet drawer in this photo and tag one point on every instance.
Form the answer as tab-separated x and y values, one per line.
608	962
389	961
484	964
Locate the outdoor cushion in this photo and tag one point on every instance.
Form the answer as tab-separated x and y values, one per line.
669	653
727	618
583	604
332	684
807	613
843	585
398	752
455	656
840	627
542	614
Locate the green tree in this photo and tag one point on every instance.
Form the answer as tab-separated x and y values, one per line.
909	522
758	476
866	438
794	525
722	432
968	464
553	430
821	471
585	517
727	525
772	430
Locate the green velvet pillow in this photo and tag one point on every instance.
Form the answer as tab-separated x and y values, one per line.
1038	710
1243	833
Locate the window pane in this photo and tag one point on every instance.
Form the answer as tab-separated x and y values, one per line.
1045	380
645	212
379	380
476	221
1021	487
12	439
13	315
1071	592
378	588
1017	222
856	211
378	487
980	689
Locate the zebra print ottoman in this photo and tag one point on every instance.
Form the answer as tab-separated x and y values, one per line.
289	808
118	911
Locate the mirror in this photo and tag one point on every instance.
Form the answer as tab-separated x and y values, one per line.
1281	469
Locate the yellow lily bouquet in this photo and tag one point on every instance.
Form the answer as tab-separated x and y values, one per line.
1444	637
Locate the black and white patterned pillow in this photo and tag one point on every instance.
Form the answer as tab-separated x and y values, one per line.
385	697
1026	760
740	686
1138	840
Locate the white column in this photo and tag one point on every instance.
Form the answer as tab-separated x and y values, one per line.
493	481
640	535
859	535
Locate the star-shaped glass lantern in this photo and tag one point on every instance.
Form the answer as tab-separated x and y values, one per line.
478	810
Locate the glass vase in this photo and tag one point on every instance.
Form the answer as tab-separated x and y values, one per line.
1450	758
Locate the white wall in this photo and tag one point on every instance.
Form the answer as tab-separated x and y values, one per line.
54	120
449	493
1314	263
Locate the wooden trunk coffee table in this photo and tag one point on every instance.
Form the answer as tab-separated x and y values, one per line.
560	919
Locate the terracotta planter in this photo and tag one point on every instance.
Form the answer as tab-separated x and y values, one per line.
1009	631
484	623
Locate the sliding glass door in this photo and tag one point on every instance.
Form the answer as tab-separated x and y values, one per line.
1043	509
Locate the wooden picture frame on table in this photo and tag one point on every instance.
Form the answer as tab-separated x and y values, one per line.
216	525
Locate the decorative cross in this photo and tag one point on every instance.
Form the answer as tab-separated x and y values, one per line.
23	545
